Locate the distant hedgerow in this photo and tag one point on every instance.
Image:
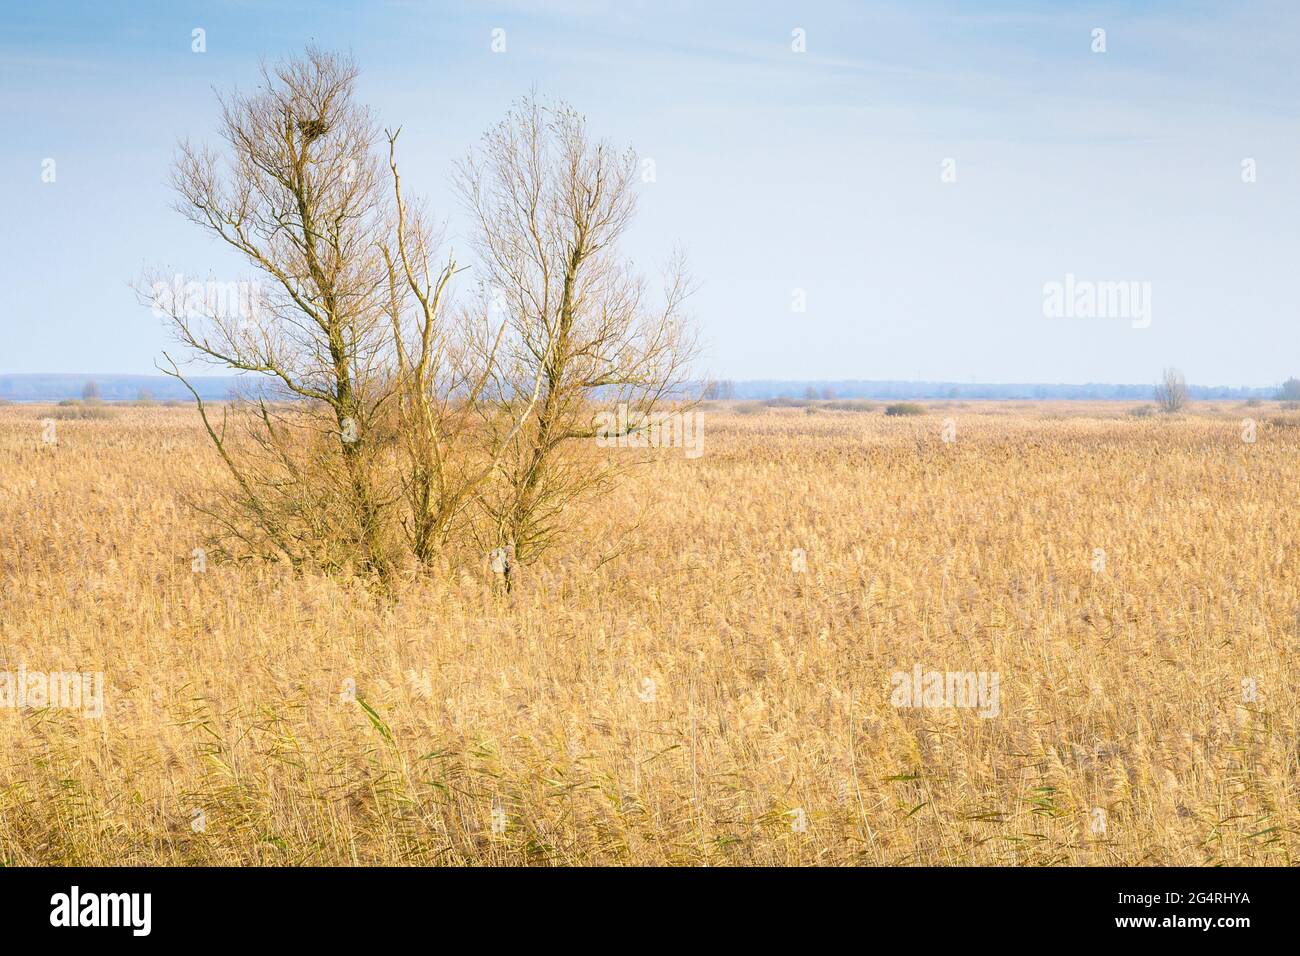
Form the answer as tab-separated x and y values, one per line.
904	408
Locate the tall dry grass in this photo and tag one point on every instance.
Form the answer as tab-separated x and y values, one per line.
229	736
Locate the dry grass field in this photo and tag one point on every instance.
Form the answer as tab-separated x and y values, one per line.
704	697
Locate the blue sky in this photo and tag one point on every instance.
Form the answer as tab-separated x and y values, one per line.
777	171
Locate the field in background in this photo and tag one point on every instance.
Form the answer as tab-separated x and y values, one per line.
710	696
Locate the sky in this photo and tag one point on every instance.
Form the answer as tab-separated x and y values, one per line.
865	190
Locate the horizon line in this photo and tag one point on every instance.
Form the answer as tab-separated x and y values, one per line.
955	383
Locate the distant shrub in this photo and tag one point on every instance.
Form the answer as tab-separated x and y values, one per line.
71	410
904	408
1253	403
812	410
1291	406
750	408
1142	411
1171	393
784	402
850	405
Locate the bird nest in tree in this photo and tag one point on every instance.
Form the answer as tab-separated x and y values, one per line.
312	128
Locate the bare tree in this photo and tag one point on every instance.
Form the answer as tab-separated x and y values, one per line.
296	192
550	206
381	420
442	369
1171	393
715	390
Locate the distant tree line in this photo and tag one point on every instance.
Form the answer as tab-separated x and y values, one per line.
1027	391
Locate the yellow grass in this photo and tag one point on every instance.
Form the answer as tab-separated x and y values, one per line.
1120	690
